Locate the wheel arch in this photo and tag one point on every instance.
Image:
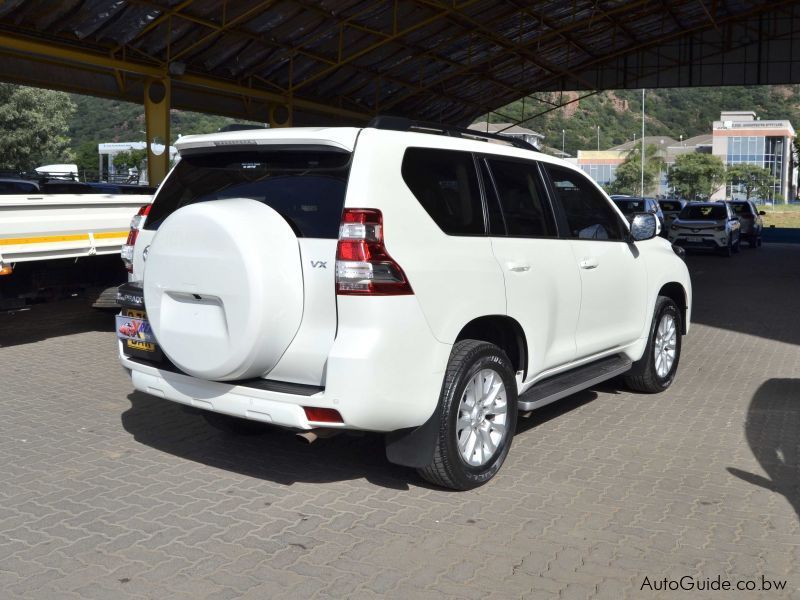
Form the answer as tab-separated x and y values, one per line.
676	292
502	331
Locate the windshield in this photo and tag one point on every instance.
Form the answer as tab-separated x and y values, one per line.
305	186
704	212
628	207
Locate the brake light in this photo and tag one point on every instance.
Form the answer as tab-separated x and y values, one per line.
363	266
137	222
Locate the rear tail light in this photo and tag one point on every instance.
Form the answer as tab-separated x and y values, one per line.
137	222
363	266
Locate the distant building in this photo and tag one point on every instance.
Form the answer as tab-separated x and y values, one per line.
741	137
107	151
601	165
510	130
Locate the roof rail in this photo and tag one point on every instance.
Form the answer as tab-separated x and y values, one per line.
404	124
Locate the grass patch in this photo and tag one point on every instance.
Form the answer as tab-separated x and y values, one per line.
781	215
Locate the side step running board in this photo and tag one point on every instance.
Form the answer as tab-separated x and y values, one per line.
568	383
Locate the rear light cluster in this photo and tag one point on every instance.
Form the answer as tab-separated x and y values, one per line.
363	266
137	222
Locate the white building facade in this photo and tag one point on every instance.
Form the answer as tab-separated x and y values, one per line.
741	137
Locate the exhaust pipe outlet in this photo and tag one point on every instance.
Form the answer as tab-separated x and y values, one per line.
312	435
309	437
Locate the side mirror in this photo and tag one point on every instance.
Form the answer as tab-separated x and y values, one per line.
762	213
643	227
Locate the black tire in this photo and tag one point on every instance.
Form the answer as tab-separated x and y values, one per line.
448	468
727	250
753	242
758	242
738	245
643	376
234	425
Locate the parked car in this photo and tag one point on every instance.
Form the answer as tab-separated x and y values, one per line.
631	205
671	209
751	221
386	279
709	225
10	186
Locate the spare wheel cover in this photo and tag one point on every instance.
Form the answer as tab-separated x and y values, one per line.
223	288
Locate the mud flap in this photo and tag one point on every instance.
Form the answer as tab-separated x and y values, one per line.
414	447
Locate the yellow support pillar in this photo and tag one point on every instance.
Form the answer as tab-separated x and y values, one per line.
156	116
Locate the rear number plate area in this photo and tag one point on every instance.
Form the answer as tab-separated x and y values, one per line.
137	337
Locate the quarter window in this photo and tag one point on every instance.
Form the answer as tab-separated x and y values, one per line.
588	214
523	199
446	185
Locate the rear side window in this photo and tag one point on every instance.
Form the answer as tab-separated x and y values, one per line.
522	198
446	185
589	215
306	187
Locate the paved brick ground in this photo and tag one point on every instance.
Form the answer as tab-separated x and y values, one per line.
106	493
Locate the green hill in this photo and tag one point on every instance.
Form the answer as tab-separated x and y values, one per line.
672	111
99	120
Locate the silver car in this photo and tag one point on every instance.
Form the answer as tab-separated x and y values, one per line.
707	225
750	218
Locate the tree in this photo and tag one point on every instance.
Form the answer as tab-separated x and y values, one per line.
752	178
696	174
33	127
628	178
129	159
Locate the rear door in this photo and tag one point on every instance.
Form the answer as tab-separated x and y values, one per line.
612	271
306	185
542	282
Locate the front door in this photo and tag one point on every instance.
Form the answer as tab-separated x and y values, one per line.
612	271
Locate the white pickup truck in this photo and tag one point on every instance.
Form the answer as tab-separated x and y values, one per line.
38	227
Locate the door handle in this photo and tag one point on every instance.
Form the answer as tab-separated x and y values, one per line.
589	263
518	267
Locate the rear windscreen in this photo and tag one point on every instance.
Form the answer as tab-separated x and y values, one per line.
306	187
704	211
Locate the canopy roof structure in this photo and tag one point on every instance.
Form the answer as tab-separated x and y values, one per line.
312	61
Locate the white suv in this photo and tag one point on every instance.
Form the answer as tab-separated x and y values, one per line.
422	283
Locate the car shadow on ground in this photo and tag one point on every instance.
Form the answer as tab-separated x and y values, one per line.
39	322
279	456
772	429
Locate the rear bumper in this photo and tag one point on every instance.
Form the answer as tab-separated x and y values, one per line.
384	373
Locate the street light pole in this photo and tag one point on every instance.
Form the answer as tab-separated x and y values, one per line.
598	138
562	142
642	188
